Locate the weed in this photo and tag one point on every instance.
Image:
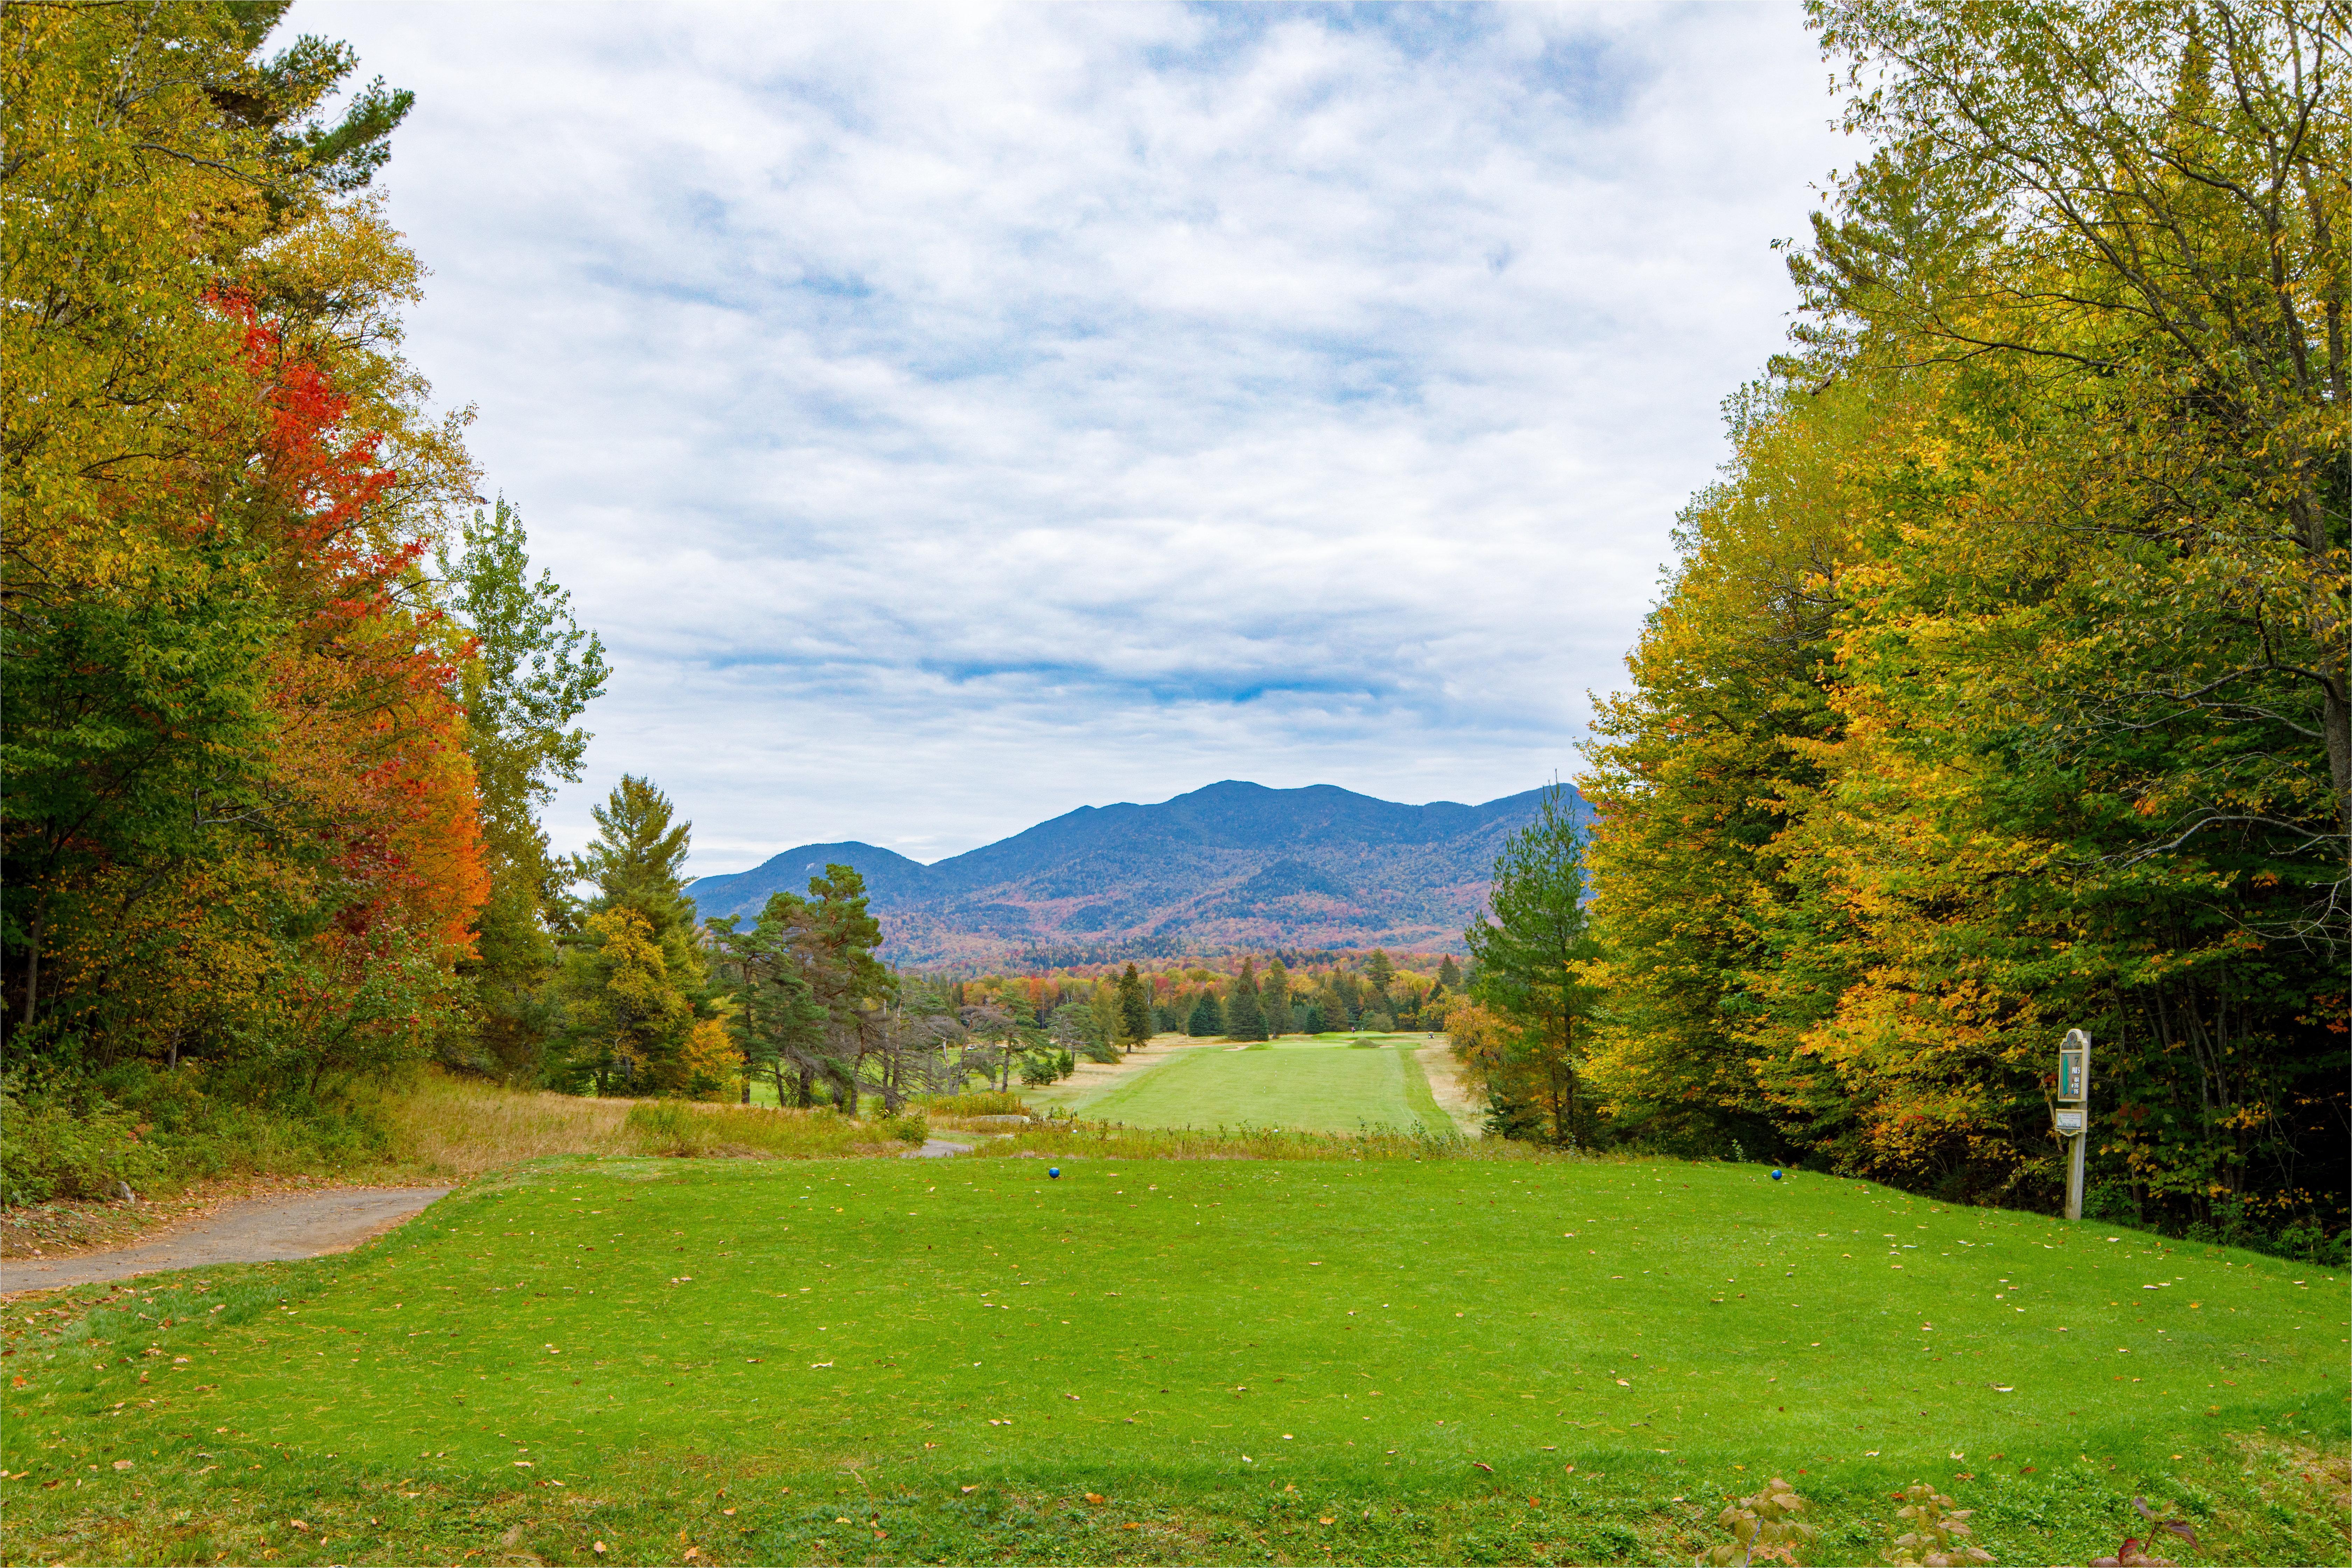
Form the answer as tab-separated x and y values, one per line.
1764	1529
1938	1533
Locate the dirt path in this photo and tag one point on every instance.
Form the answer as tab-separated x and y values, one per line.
260	1230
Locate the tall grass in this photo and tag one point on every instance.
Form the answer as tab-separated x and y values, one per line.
683	1128
460	1127
978	1102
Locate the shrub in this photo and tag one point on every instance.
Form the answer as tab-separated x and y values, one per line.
48	1149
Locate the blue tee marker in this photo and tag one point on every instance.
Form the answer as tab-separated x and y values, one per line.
1776	1176
1055	1172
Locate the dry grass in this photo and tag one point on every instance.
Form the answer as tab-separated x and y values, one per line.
448	1126
453	1127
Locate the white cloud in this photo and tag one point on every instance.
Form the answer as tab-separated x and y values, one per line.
951	416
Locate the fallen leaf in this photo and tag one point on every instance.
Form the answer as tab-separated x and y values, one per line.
121	1464
1484	1466
1094	1497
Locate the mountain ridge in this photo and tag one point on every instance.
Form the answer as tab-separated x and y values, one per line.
1233	865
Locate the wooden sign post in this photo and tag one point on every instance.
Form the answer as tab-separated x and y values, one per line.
2074	1111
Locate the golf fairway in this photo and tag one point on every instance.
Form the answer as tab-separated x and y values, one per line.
1538	1360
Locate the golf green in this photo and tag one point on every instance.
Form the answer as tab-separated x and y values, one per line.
1444	1360
1325	1083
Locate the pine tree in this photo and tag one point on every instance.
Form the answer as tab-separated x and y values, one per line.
1448	975
1134	1008
1245	1020
1273	1001
1207	1020
619	1034
1528	943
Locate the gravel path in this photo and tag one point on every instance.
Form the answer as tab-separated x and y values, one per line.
260	1230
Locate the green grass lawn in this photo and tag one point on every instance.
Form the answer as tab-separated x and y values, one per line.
1324	1083
1443	1360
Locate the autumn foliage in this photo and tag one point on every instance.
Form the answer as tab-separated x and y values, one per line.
241	819
2000	689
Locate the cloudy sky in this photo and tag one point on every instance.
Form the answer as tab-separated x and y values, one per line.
950	417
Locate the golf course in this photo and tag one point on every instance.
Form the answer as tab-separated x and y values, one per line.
1323	1083
1446	1359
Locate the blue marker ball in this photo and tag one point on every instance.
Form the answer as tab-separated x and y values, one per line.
1054	1172
1776	1176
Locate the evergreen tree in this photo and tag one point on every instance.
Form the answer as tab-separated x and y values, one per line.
1245	1020
1134	1007
778	1022
1273	1001
1108	1019
1312	1021
637	859
832	936
1447	974
1345	999
1207	1020
617	1034
1528	948
1380	971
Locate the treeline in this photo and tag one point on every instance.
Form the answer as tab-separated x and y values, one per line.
284	698
1295	994
2000	688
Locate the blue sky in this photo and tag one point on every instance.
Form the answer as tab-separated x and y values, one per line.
953	416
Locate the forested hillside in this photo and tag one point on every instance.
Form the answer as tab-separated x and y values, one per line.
2000	686
1230	868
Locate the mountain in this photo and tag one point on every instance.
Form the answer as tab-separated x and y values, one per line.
1233	866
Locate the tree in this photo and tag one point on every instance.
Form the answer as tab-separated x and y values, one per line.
529	672
630	1021
1529	945
1207	1019
238	821
1108	1019
1380	972
1134	1008
832	937
1447	974
1274	1001
1998	685
637	860
778	1022
1244	1019
637	863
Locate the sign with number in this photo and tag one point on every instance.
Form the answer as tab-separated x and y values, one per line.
2075	1066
